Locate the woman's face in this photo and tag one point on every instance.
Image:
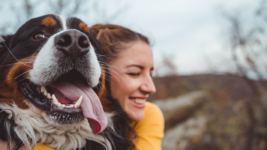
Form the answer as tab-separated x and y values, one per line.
131	81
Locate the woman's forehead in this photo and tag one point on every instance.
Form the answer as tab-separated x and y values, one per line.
139	53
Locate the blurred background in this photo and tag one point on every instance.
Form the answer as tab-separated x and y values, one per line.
210	62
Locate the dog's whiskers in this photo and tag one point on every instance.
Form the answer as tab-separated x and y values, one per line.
22	74
13	55
109	66
103	63
102	55
29	87
103	85
118	75
109	79
21	80
15	63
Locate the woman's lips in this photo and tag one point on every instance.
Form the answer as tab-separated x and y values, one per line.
139	97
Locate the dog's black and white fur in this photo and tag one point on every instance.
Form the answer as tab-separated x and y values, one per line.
30	59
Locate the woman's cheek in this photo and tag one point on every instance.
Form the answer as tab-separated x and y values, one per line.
132	86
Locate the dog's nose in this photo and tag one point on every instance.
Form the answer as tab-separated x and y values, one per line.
72	43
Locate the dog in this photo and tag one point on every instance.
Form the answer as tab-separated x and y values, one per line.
50	81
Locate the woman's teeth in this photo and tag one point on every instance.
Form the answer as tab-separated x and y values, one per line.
56	102
139	101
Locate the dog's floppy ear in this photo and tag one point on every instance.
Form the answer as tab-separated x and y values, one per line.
95	43
4	44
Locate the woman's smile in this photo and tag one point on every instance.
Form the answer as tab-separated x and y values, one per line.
139	102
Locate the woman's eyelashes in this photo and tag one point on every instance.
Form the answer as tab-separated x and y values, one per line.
138	73
134	74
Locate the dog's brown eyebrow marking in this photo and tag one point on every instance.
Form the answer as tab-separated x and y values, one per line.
84	27
49	21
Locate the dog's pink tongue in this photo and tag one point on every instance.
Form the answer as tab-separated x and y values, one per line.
91	105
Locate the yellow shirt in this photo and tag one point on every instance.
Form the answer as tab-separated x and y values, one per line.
42	147
150	130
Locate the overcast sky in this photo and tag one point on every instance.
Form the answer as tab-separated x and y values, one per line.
189	31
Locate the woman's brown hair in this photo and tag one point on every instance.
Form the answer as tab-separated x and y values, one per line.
113	38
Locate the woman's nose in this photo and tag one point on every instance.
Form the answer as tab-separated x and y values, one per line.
148	85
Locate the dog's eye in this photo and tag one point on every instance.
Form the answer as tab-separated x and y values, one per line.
39	36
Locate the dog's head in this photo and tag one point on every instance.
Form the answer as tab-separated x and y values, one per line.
50	65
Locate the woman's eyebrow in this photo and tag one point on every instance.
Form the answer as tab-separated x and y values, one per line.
138	66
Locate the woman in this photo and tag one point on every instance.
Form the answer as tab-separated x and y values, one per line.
128	56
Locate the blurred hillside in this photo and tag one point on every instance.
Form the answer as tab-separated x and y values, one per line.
219	87
217	120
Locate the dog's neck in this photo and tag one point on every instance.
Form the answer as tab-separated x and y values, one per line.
32	125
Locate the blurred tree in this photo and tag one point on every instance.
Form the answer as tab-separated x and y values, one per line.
93	11
248	51
166	67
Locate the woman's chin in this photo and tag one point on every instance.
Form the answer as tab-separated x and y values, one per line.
136	116
136	113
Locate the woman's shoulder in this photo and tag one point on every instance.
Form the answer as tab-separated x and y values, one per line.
150	130
152	110
153	116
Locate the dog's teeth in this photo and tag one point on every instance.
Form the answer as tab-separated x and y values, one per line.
49	96
70	106
42	89
78	103
55	101
45	92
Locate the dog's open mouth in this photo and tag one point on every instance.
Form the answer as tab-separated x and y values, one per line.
67	100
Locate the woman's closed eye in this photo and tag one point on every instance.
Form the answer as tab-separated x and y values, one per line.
134	74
